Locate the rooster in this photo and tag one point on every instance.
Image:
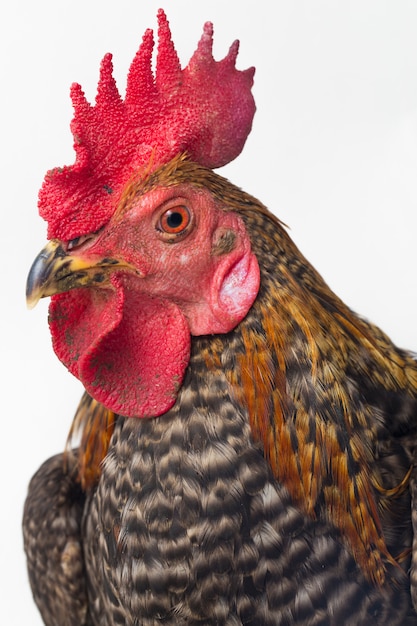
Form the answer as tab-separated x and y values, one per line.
246	443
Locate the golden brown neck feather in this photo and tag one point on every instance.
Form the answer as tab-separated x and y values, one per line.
93	427
317	432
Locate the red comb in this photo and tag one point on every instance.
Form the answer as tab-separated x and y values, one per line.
205	110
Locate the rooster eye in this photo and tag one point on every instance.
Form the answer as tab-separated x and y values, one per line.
175	220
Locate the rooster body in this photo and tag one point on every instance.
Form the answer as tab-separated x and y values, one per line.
259	468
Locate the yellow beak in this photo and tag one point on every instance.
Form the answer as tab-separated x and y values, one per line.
55	271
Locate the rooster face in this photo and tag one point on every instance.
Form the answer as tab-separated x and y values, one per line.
171	262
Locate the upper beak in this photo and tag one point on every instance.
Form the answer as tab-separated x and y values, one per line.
55	271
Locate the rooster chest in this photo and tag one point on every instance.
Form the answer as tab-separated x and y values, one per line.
172	514
188	526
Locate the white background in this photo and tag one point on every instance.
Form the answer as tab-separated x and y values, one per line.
333	153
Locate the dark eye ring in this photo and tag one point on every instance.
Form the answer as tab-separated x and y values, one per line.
175	220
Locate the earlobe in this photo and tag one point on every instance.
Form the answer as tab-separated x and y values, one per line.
233	285
238	291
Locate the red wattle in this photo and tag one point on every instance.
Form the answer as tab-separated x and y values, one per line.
129	353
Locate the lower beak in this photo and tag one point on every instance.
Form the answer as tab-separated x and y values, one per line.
55	271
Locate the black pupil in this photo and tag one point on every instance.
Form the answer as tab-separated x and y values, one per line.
174	219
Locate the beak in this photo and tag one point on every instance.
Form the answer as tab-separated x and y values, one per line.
55	271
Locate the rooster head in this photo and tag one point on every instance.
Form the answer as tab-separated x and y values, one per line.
142	255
